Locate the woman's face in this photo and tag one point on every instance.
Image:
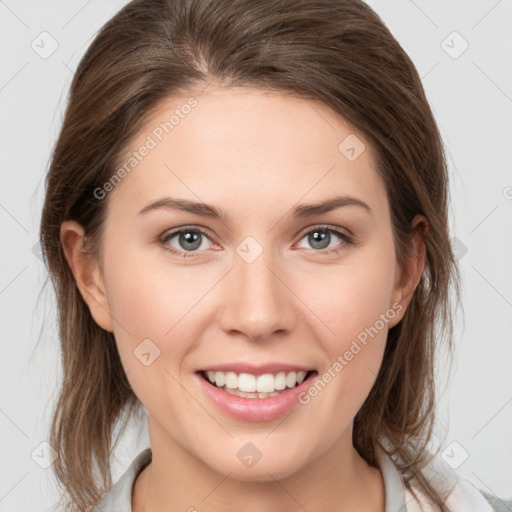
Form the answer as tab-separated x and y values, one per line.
268	287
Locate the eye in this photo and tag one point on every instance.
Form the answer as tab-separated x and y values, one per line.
320	238
192	240
188	240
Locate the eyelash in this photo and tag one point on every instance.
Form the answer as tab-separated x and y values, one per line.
347	240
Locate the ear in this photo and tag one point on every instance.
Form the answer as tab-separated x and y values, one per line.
407	278
87	274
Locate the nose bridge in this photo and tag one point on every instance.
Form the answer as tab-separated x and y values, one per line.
257	303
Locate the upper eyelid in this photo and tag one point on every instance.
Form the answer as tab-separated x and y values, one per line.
182	229
326	227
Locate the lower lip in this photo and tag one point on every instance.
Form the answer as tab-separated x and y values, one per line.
255	409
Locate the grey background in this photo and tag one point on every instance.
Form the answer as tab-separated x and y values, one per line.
471	96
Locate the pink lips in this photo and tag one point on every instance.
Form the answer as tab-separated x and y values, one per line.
255	409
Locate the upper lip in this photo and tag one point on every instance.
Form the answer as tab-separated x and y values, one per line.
253	369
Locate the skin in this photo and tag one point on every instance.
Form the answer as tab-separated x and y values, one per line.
255	155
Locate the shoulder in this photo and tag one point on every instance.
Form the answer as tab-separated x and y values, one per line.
459	493
462	499
468	496
497	504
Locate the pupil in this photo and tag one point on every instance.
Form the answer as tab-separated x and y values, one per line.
318	238
191	237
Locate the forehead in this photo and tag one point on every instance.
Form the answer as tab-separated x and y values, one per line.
243	142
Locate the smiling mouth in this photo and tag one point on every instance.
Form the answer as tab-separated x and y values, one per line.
247	385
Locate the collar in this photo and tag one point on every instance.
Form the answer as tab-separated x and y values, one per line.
461	495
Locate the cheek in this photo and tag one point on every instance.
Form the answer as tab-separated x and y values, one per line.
353	297
146	289
152	308
355	348
354	303
153	301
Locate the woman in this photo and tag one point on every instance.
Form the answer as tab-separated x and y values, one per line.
285	358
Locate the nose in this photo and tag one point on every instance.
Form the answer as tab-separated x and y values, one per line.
259	303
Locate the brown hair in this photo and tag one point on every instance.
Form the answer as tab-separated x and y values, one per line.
335	51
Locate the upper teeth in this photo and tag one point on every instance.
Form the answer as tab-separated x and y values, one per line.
266	383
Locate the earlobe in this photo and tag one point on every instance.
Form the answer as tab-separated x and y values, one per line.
409	277
86	272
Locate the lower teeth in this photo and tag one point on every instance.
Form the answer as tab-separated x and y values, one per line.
245	394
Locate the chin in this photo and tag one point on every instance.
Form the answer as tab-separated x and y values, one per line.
266	465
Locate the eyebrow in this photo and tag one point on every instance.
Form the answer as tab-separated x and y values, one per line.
206	210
